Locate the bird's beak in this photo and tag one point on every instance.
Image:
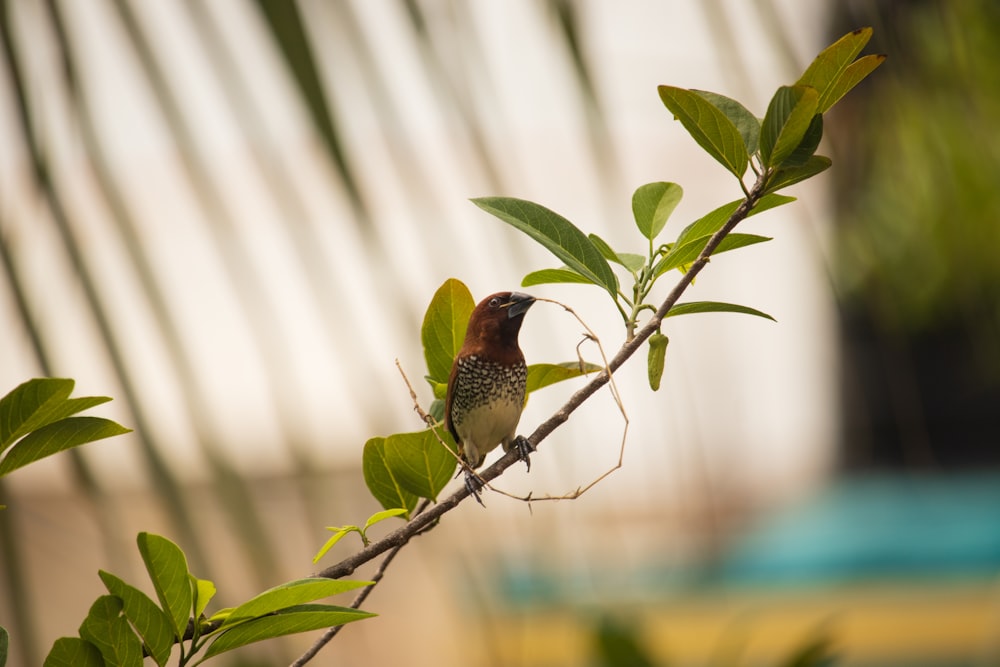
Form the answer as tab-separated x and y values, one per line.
519	304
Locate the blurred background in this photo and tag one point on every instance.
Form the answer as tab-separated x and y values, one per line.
230	216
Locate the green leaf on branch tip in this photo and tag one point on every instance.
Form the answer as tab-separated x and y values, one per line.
381	481
708	126
829	71
419	462
73	652
652	205
548	276
146	617
443	329
338	533
715	307
168	570
557	234
110	632
788	116
543	375
301	618
747	124
630	261
57	437
855	73
288	595
203	591
383	515
686	253
782	178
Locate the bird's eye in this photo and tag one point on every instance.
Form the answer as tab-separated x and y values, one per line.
494	302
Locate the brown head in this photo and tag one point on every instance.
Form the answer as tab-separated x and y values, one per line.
495	323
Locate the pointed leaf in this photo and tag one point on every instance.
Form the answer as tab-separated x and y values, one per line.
37	403
682	255
73	652
380	480
542	375
110	632
855	73
383	515
168	570
288	595
715	307
788	117
146	617
785	177
336	537
829	66
708	126
203	591
741	117
302	618
560	236
444	325
419	462
629	260
545	276
652	205
59	436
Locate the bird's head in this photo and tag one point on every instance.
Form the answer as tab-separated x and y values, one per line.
497	319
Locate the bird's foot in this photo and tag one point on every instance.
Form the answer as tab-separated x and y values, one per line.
524	449
473	484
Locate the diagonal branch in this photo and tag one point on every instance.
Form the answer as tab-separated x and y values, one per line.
421	522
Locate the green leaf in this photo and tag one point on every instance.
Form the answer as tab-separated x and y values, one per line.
652	205
203	591
289	595
542	375
545	276
788	117
855	73
383	515
713	221
110	632
827	69
73	652
741	117
302	618
146	617
443	330
4	644
380	479
338	533
655	362
808	145
56	437
629	260
790	176
168	570
708	126
560	236
419	462
715	307
37	403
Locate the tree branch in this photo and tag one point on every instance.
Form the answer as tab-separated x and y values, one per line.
398	538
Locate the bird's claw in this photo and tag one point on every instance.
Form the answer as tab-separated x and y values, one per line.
474	485
524	450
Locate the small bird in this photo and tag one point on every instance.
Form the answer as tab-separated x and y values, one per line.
486	387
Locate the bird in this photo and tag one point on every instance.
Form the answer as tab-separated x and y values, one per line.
487	384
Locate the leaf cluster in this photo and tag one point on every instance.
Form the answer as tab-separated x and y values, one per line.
126	625
780	150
